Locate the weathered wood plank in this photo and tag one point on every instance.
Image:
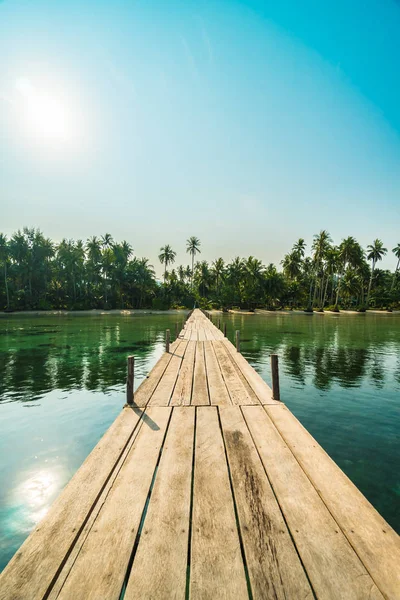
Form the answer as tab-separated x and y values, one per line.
183	390
375	542
159	567
30	572
260	388
217	389
274	568
332	566
253	398
146	389
165	388
100	568
235	387
200	388
217	568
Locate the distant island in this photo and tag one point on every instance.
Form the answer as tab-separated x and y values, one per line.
38	274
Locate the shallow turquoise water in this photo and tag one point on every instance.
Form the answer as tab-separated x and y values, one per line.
63	382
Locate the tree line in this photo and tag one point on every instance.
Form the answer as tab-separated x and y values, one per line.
39	274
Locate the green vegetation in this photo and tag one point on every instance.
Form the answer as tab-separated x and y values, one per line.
37	274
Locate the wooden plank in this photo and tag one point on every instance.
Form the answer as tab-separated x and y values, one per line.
159	567
274	568
165	388
217	389
253	398
236	389
183	390
375	542
75	550
100	568
148	385
30	572
260	388
200	388
332	566
217	568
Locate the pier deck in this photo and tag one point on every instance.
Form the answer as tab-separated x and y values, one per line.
207	488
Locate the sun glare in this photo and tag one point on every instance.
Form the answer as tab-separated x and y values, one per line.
44	115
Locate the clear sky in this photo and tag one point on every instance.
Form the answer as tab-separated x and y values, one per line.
247	124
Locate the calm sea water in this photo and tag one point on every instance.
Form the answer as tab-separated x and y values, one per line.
62	383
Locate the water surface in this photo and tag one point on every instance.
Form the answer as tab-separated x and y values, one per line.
62	383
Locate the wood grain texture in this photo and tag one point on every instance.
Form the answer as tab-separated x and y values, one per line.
182	394
235	387
216	385
200	387
101	565
333	568
164	390
216	563
275	570
260	388
31	571
159	567
375	542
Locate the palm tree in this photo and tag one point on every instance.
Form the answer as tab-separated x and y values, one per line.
350	254
375	252
254	270
193	247
4	257
320	247
396	252
218	270
107	258
299	247
166	257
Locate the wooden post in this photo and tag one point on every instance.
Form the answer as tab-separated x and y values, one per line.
238	340
167	336
275	377
225	329
129	380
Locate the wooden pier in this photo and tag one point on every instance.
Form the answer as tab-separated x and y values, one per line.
207	488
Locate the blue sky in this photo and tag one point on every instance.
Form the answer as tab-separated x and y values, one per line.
248	124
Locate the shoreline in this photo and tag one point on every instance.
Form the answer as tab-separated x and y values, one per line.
95	312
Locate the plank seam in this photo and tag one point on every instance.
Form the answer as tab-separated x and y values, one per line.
324	502
144	512
161	376
189	554
242	550
279	504
82	527
177	375
117	471
222	373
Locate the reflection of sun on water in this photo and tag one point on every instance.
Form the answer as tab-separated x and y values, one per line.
37	493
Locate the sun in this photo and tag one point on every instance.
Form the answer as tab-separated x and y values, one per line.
44	115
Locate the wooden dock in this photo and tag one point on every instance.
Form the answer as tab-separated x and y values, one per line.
209	489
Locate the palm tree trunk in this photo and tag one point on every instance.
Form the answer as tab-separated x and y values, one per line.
191	283
325	293
395	275
370	283
338	291
6	283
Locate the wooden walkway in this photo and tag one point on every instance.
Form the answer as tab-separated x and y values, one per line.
207	489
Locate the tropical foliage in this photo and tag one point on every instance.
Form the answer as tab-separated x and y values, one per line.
37	274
